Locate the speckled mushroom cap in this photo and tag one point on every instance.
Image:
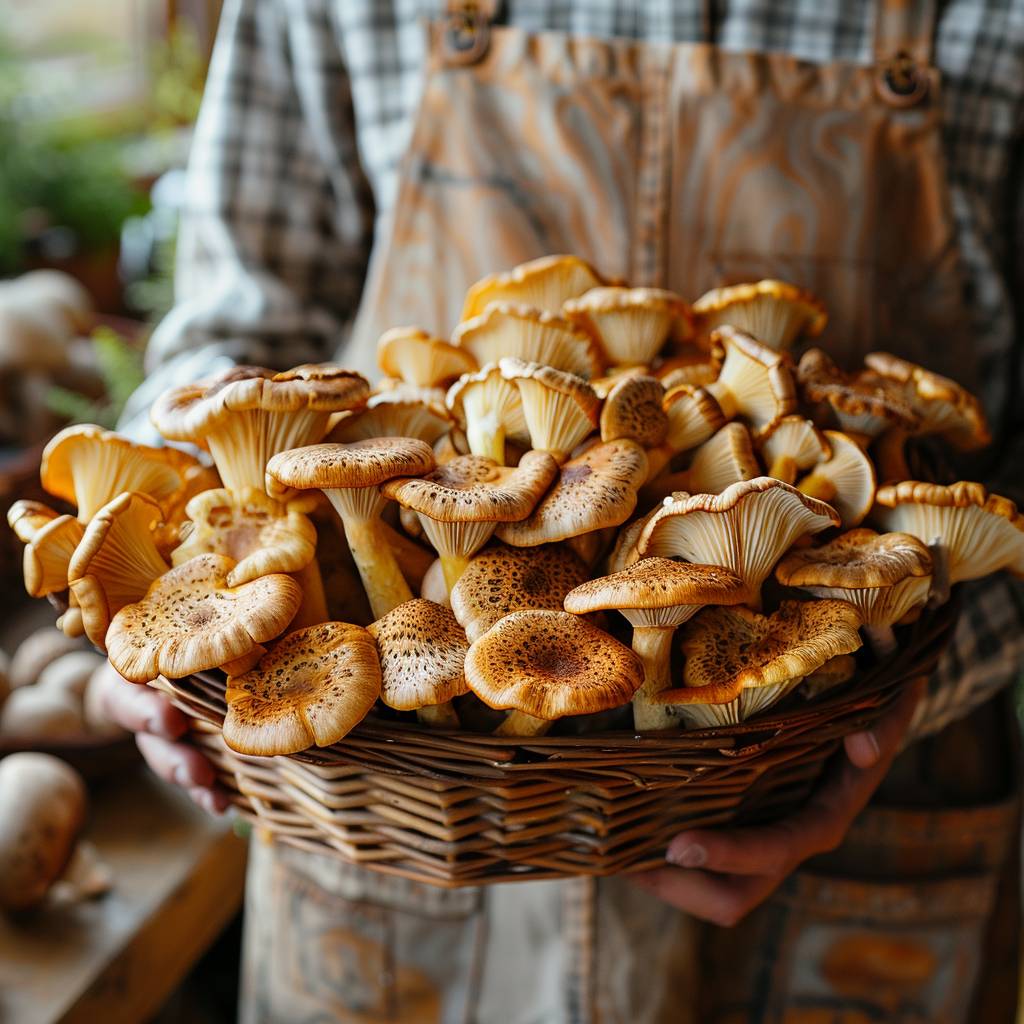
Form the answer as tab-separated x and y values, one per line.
314	687
693	416
630	324
88	466
849	477
837	670
502	579
633	409
593	491
743	662
533	335
486	405
861	405
882	575
418	358
792	444
724	459
544	283
387	417
190	620
27	518
260	534
422	652
116	561
942	405
658	592
560	409
774	312
48	553
981	532
550	664
746	528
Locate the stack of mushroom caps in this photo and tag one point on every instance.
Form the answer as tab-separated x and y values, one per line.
579	457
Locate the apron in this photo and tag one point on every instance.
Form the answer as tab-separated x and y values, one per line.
686	167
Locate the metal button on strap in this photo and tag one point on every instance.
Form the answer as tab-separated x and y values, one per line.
466	35
901	82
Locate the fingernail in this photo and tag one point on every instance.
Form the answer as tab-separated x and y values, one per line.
689	856
182	776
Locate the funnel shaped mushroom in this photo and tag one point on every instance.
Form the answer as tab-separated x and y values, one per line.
260	534
48	554
350	476
314	687
774	312
422	652
391	415
488	408
978	533
418	358
88	466
693	417
746	528
116	561
630	324
544	283
27	518
790	446
882	576
594	491
560	409
846	479
656	595
531	335
190	620
249	414
634	409
739	663
544	665
501	580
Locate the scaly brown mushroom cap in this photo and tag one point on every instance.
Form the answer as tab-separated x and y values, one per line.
385	416
501	580
846	480
190	620
418	358
633	409
48	554
488	408
526	333
595	490
790	445
544	283
314	687
630	324
548	664
422	653
774	312
27	518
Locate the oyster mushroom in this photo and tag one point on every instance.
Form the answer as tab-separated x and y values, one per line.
544	283
846	480
656	595
48	554
314	687
634	409
883	576
190	620
739	663
693	417
792	445
27	518
543	665
489	409
414	356
388	416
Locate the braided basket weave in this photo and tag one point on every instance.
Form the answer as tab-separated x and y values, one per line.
461	808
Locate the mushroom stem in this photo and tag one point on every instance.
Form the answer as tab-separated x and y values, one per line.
519	723
939	593
725	398
784	468
654	645
378	568
453	566
890	456
413	559
657	459
439	716
816	485
882	640
487	437
313	609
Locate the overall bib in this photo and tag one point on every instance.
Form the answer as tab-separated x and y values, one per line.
685	167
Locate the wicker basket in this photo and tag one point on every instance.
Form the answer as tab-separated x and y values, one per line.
460	808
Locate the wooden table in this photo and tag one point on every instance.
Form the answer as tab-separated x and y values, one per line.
178	880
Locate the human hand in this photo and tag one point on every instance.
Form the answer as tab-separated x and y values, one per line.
157	724
720	875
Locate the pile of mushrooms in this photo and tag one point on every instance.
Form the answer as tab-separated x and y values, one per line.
593	503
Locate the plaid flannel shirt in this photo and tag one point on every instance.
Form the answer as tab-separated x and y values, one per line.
309	108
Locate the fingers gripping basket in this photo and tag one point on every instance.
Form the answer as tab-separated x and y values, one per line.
461	808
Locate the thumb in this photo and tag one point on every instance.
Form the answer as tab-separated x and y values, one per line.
867	748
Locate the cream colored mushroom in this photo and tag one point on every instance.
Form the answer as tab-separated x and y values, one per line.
846	480
488	407
418	358
792	445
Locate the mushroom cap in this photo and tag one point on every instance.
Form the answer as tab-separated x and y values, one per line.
981	532
837	670
314	687
27	518
630	324
422	652
418	358
189	412
473	488
501	580
48	554
485	398
754	379
746	528
726	458
549	664
693	416
851	473
260	534
795	438
505	329
386	417
944	407
774	312
544	283
190	620
736	655
633	409
593	491
37	651
360	464
658	592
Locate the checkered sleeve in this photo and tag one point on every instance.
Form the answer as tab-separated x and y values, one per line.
277	226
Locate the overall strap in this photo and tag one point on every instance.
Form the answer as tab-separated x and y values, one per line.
904	40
